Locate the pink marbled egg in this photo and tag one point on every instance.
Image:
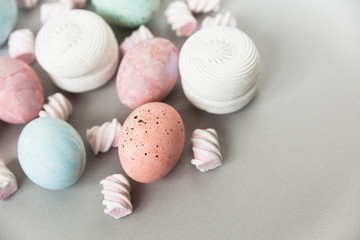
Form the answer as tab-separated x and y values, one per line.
21	91
148	72
151	142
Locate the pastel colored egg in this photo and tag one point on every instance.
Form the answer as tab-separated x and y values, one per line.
126	13
21	91
151	142
148	72
51	153
8	16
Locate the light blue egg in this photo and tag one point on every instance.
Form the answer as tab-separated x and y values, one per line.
126	13
51	153
8	16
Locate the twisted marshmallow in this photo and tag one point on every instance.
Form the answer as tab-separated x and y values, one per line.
50	11
180	18
117	199
206	149
75	3
203	6
137	36
8	184
103	137
224	20
59	106
27	3
22	45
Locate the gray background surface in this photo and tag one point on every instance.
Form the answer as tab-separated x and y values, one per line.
291	157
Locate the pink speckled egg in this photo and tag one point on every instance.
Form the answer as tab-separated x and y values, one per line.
21	91
151	142
148	72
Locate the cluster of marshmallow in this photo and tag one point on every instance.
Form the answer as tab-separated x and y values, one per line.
179	16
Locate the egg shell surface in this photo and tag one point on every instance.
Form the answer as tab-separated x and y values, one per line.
126	13
51	153
21	91
8	16
151	142
148	72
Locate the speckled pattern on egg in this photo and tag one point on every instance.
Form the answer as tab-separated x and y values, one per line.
151	142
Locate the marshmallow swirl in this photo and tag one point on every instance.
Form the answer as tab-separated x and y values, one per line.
8	184
180	18
22	45
206	149
224	20
78	50
59	106
203	6
139	35
101	138
219	68
117	199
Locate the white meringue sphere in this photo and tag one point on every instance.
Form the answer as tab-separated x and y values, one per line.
219	69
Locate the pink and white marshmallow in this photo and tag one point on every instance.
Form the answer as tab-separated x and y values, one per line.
102	138
117	199
75	3
27	4
203	6
8	184
207	155
220	20
180	18
139	35
22	45
53	10
59	107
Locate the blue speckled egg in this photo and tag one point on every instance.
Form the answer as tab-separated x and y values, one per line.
51	153
8	16
126	13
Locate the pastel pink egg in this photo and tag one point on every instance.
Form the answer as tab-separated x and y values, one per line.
21	91
148	72
151	142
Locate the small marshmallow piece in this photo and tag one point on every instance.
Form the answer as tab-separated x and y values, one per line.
139	35
206	149
220	20
59	107
75	3
8	184
27	4
180	18
101	138
203	6
50	11
22	45
117	199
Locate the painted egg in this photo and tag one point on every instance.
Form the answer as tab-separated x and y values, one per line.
151	142
21	91
51	153
8	16
148	72
126	13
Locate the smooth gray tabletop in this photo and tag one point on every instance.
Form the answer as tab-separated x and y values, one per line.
291	165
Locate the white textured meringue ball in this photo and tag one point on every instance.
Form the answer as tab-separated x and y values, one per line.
78	50
219	69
